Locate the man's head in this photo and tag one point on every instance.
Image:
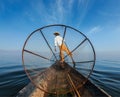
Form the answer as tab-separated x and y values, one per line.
56	33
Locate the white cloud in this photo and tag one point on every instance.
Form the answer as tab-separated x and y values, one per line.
83	6
95	29
62	9
70	3
57	12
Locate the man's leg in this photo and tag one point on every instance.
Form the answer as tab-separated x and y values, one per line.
61	54
64	48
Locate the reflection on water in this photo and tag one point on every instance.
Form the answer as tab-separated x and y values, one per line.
13	78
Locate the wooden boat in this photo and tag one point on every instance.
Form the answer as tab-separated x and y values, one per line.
60	79
61	82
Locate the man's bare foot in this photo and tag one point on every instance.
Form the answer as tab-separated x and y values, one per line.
61	61
62	65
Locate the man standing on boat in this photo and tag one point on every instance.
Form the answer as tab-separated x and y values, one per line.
59	42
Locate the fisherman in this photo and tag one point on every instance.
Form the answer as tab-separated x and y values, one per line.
59	42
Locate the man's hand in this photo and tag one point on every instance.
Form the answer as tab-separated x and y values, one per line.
55	49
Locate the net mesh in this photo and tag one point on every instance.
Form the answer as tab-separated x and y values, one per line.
39	57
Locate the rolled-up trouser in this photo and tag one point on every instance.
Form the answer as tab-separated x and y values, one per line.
65	49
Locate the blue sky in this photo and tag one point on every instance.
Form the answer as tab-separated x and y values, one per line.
99	20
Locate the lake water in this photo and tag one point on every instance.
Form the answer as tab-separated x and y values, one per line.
106	75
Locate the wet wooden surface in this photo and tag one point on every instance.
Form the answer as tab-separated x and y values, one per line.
55	80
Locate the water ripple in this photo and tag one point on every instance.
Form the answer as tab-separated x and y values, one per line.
106	75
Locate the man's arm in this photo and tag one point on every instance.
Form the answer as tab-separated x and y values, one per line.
55	41
55	49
